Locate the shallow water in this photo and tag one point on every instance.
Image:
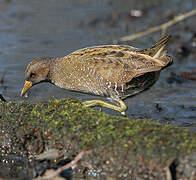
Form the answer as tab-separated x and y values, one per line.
31	29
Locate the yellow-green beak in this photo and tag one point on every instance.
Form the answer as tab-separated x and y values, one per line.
26	87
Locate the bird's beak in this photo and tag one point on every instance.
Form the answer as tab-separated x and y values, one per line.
26	87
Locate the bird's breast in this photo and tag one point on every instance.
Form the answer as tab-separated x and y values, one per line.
79	78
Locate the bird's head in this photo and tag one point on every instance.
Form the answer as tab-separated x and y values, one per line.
37	71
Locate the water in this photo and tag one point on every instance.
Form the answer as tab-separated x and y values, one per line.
31	29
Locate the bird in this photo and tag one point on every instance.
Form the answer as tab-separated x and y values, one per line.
113	71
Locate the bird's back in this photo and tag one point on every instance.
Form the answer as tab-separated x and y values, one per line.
108	69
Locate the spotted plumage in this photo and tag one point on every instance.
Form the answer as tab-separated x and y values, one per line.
116	71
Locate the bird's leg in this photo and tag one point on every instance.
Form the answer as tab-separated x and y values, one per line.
122	108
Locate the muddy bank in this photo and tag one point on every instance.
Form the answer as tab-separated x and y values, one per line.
121	147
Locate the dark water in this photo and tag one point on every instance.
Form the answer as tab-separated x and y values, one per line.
31	29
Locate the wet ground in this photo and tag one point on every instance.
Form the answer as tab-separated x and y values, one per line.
31	29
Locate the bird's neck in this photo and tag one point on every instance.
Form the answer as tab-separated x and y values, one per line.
53	69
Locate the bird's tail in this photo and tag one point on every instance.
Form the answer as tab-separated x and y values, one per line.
159	49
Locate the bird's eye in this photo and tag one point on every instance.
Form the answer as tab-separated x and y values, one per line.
32	75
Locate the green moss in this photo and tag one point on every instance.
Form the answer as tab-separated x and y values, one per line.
68	122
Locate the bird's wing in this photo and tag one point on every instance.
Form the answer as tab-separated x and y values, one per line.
109	61
116	63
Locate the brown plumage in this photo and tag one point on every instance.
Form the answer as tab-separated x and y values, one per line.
116	71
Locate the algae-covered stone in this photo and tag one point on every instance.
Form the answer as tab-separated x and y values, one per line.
121	147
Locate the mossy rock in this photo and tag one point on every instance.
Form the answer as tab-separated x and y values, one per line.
121	147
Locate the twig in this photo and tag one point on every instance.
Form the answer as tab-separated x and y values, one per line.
189	75
162	27
67	166
168	173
